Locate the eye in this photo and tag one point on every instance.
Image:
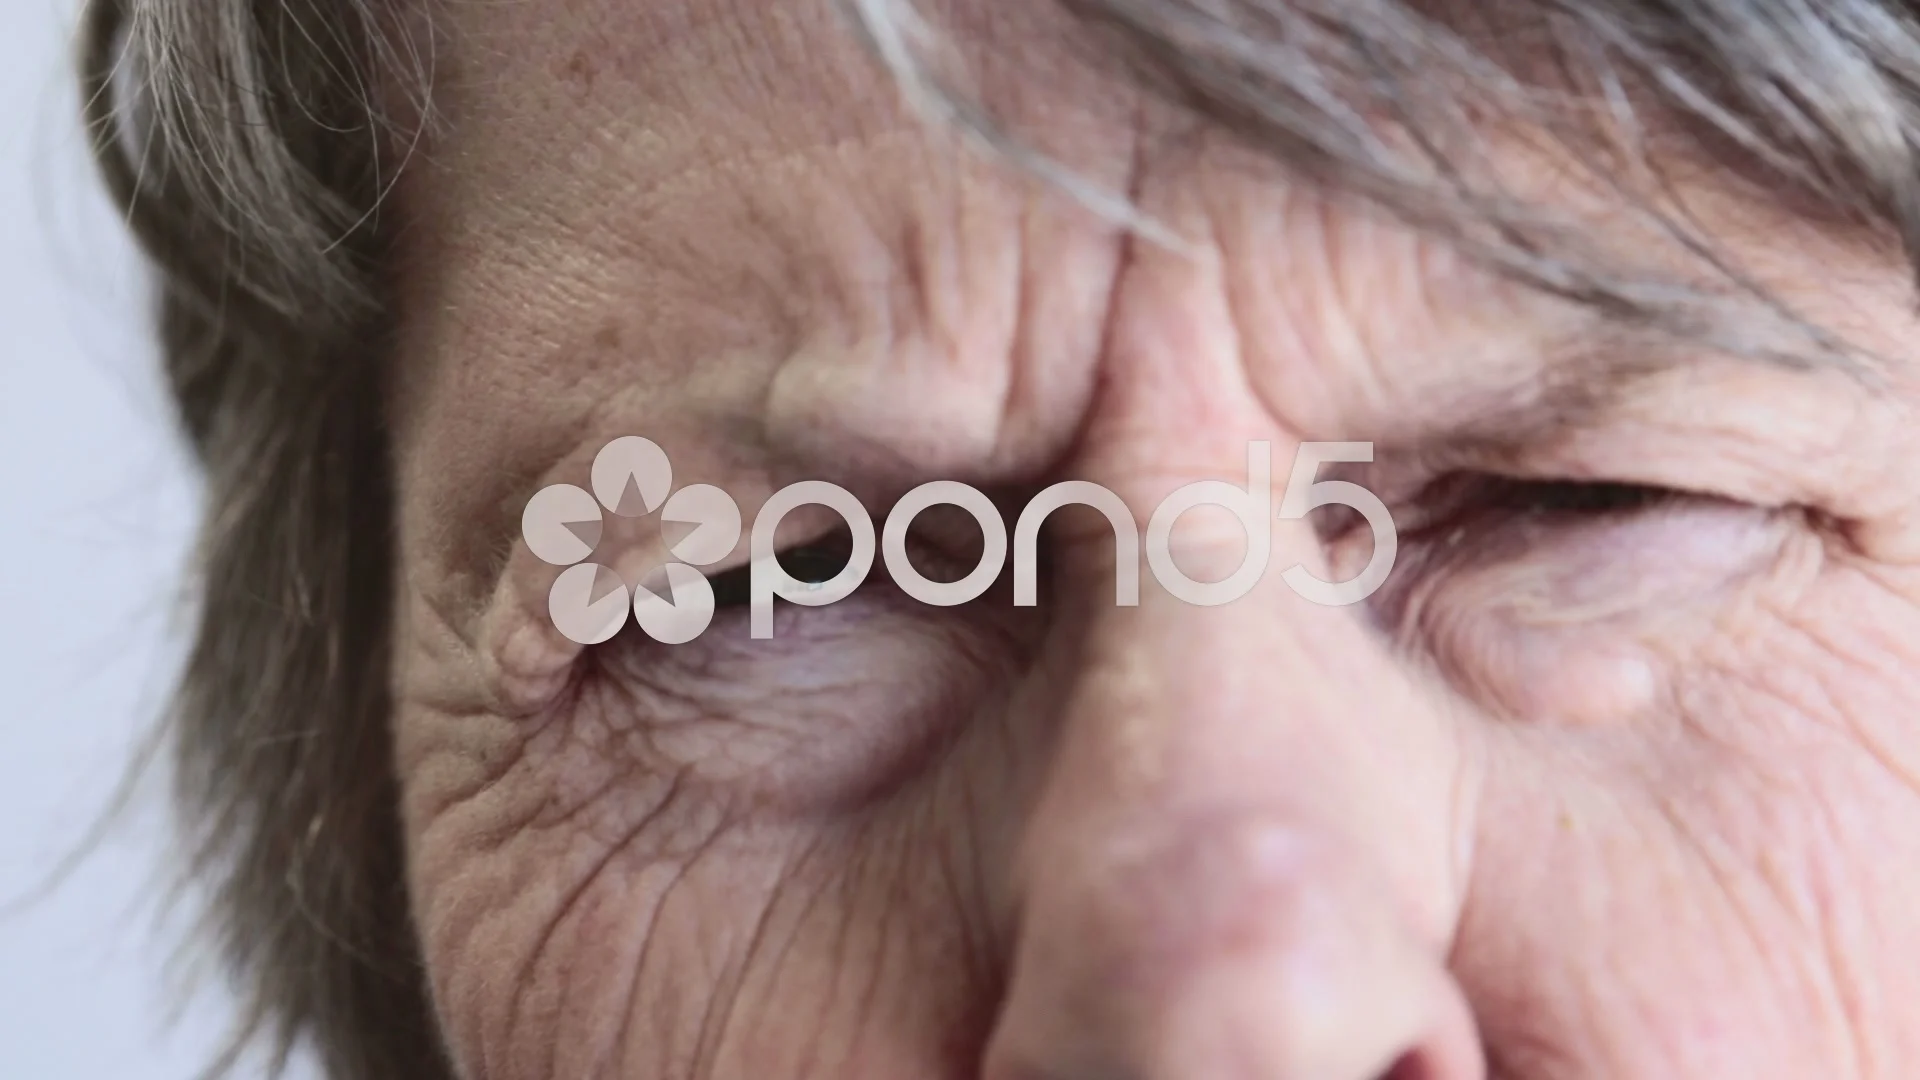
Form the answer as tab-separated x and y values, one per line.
1570	599
1478	542
1570	496
816	560
1465	503
842	703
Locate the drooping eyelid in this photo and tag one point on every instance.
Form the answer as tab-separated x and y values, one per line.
1764	435
1412	479
804	526
1485	592
933	536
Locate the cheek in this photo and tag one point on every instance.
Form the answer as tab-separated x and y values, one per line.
1723	887
1834	661
697	945
729	856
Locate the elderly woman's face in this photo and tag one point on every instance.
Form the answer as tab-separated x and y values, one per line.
1600	784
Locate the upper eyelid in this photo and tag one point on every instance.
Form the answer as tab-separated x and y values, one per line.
742	555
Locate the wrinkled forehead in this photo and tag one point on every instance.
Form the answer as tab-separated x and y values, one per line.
719	140
774	222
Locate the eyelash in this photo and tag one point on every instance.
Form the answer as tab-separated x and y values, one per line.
1464	500
1574	496
816	560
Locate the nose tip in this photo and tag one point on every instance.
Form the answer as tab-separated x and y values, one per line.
1235	950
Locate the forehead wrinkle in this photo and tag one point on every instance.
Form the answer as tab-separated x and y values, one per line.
1757	292
1588	376
1577	387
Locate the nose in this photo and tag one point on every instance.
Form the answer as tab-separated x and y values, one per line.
1246	861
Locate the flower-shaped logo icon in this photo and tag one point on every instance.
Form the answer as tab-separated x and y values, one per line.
631	478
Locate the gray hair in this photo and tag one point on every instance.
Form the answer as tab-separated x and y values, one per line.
250	143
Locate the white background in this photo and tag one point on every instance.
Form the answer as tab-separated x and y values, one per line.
96	505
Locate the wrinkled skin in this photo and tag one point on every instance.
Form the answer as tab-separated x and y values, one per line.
1580	794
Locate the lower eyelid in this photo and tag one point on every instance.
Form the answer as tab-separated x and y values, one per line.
1582	589
843	703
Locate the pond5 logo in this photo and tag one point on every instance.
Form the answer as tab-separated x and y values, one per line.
632	478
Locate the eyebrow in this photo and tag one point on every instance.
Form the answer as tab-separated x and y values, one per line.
1592	371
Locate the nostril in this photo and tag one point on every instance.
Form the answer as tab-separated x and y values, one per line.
1439	1059
1413	1065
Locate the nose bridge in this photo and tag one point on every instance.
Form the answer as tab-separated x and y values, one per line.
1268	707
1252	694
1244	861
1227	692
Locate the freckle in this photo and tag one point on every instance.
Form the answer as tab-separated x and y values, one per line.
607	337
1566	821
579	74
